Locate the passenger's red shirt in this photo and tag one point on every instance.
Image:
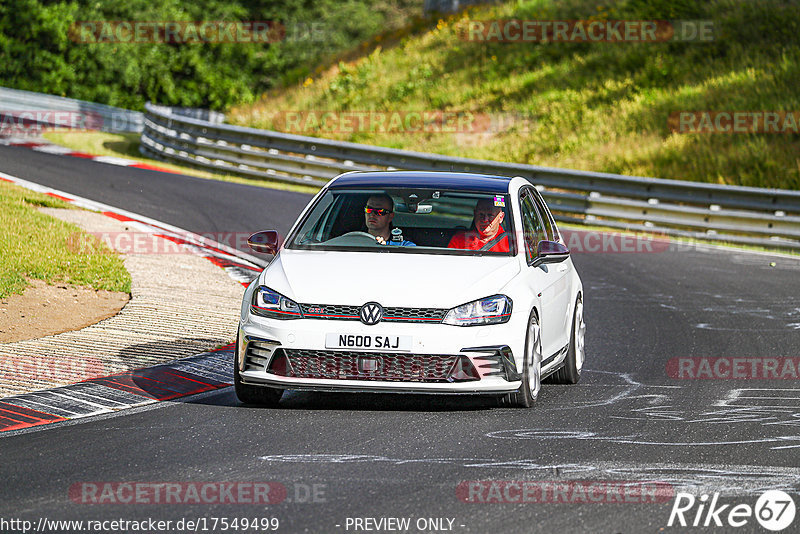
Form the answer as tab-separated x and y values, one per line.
469	241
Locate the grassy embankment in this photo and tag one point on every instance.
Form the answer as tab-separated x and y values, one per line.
591	106
37	246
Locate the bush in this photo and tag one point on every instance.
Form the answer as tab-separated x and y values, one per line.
207	75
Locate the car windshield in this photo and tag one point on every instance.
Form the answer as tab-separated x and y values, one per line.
419	221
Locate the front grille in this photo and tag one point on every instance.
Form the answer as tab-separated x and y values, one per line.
414	315
390	315
320	311
351	365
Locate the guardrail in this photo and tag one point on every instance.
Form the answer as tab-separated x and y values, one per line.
746	215
95	116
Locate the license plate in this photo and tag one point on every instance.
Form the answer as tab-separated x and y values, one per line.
368	341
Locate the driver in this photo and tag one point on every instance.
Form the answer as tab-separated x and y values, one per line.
487	232
378	214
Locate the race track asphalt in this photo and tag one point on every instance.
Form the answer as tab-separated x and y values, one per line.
380	456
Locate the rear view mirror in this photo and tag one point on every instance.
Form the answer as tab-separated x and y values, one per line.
413	207
424	208
550	252
266	242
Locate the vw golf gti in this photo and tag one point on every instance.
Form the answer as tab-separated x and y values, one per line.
421	282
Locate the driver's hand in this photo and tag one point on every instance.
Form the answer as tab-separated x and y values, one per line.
380	240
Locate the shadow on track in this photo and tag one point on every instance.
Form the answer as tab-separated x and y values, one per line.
362	402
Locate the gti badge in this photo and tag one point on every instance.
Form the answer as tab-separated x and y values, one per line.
371	313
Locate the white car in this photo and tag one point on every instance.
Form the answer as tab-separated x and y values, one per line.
478	295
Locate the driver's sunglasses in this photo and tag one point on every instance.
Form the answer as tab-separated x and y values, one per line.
380	211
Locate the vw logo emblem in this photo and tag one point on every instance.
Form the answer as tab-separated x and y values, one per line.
371	313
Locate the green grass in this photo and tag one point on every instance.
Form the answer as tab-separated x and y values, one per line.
102	144
589	106
127	146
37	246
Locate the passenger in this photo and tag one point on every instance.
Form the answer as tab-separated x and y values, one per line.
487	233
378	213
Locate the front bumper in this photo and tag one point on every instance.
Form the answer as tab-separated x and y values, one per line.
490	350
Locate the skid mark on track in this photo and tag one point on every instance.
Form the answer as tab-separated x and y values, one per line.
710	304
784	310
627	384
634	439
726	479
667	410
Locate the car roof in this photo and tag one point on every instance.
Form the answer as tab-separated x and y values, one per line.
483	183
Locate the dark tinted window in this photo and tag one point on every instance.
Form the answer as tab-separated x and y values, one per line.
531	226
549	223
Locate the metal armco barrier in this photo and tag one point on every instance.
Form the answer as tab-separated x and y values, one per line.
747	215
100	116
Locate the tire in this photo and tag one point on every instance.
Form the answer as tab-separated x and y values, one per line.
570	372
526	395
257	395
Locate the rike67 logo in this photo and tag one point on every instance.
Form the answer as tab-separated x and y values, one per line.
774	510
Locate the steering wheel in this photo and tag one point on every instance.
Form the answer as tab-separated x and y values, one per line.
353	234
353	238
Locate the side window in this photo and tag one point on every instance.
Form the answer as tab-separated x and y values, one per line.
347	215
531	226
556	233
552	234
314	230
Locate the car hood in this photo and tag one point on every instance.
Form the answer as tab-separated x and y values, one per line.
391	279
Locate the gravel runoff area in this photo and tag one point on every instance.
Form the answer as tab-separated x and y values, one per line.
181	305
45	310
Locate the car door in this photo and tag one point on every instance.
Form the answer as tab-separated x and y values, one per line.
549	280
565	287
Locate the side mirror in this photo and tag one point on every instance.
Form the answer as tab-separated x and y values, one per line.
550	252
266	242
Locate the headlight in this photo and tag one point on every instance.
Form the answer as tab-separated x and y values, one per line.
490	310
269	303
